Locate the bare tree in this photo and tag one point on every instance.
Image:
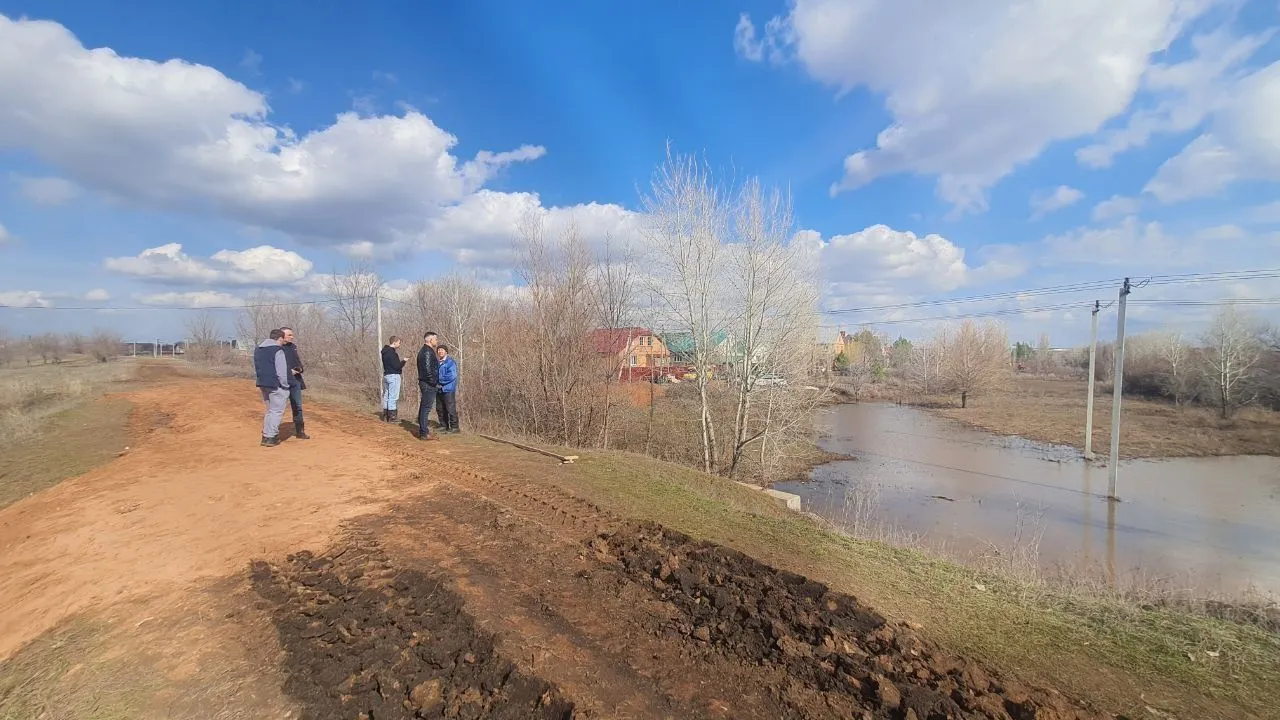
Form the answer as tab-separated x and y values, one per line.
354	323
1233	349
925	365
104	345
975	357
772	309
202	338
615	293
686	217
557	273
1173	351
1044	360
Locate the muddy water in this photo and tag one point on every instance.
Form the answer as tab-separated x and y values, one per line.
1212	524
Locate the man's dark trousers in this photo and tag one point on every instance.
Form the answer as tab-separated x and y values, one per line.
295	403
447	410
424	407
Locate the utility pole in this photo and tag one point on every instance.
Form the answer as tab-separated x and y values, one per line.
378	340
1088	407
1117	389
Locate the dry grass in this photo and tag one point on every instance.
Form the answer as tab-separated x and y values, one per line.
70	673
1053	410
30	395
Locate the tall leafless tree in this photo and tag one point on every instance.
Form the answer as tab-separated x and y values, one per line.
615	306
974	358
1233	350
772	310
686	227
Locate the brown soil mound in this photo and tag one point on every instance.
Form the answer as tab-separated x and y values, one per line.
826	640
363	641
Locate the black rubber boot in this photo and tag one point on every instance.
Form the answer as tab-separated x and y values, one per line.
393	416
270	441
386	415
300	430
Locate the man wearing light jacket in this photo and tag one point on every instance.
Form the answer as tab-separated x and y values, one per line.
271	371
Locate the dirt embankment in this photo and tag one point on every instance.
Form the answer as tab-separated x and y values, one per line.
851	660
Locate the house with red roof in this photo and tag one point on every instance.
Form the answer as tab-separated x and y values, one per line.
632	347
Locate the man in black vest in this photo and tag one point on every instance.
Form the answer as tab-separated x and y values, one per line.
428	383
271	372
296	383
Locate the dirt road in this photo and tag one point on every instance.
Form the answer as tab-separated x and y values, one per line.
362	574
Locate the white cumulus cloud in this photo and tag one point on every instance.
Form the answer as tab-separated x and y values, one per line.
1043	203
179	136
880	265
195	299
976	88
1114	207
262	265
1242	143
97	295
24	298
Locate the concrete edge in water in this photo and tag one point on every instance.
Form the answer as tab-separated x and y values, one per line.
789	500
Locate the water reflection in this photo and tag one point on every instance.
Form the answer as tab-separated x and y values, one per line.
1211	522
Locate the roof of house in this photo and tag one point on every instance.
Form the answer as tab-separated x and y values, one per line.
606	341
682	342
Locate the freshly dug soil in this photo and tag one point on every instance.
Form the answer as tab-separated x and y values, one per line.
824	640
362	640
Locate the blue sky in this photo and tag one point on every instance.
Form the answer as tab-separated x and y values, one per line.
931	152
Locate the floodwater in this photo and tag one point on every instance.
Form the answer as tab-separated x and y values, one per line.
1205	524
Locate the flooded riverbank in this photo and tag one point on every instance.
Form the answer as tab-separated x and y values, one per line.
1208	524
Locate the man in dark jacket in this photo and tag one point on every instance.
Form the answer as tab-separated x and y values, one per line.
296	383
428	383
392	368
271	372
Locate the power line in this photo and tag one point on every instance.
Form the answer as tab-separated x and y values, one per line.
1185	278
1010	294
985	314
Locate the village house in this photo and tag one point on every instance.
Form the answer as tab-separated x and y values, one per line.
632	347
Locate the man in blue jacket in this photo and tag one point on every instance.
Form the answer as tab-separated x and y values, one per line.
447	398
428	383
272	374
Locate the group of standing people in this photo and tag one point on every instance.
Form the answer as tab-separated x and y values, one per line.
277	368
437	384
278	371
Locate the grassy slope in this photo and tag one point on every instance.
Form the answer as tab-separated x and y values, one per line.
1117	656
67	444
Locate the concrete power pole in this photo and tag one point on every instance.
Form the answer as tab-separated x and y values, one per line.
1116	392
1088	411
378	340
